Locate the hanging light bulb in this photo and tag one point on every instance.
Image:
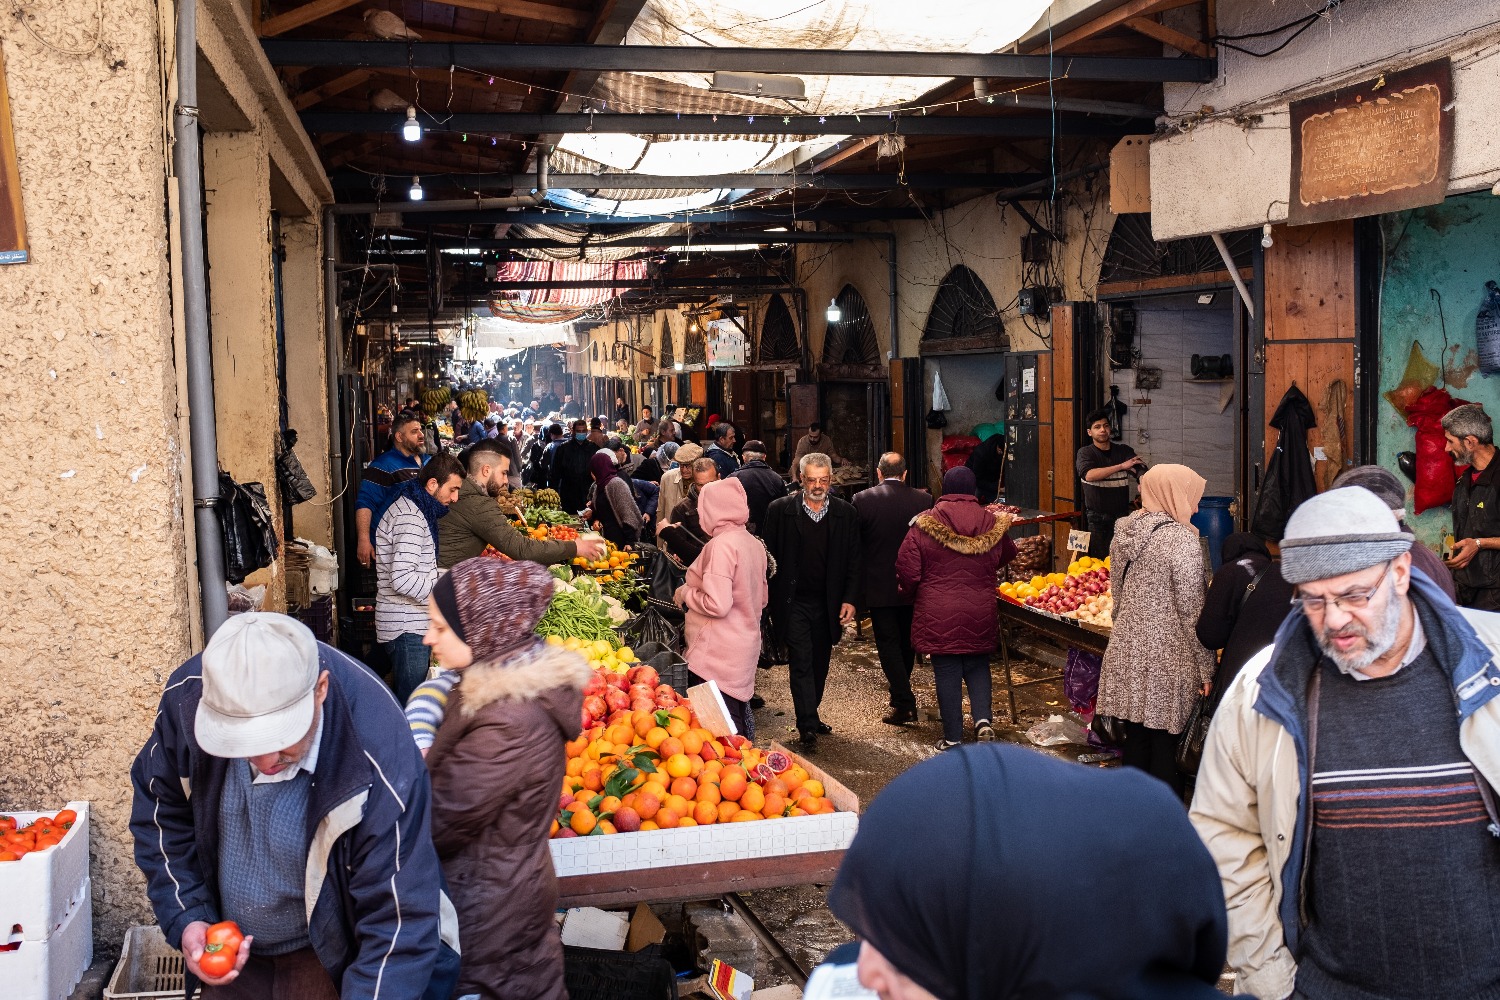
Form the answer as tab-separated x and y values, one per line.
834	313
415	194
1265	236
419	373
677	366
411	130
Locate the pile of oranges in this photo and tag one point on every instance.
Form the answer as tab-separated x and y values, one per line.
48	831
550	532
615	566
660	771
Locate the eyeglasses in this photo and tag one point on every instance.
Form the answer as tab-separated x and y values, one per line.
1357	601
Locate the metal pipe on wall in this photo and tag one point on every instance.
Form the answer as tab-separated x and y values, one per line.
187	164
334	361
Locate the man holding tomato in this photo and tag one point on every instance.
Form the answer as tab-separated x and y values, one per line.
282	823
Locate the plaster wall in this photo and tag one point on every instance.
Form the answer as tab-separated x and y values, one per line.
237	201
1229	167
1449	248
307	370
91	531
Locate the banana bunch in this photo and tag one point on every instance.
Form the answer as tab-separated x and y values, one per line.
474	404
522	497
548	498
433	400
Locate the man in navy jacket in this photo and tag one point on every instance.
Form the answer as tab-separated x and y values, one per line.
280	789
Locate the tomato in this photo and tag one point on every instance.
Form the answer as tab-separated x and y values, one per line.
9	856
66	819
7	823
221	949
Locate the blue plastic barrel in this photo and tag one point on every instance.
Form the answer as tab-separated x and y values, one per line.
1214	523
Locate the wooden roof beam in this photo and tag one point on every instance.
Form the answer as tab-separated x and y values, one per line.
334	87
302	16
1114	19
1170	36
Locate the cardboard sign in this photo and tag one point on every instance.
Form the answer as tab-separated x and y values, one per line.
708	705
13	248
1078	541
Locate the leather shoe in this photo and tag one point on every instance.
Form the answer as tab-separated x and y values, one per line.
900	717
757	702
822	728
808	738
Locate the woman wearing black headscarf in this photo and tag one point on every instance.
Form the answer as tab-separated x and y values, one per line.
994	903
1236	618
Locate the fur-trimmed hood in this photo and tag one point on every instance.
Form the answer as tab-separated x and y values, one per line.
960	524
528	676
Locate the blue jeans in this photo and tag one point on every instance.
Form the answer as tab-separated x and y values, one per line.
951	672
409	662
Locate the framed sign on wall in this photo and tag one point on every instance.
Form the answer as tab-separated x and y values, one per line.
13	248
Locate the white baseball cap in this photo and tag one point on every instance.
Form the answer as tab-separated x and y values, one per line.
259	674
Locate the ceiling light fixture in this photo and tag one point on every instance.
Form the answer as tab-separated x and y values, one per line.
834	313
1265	236
415	194
411	130
789	88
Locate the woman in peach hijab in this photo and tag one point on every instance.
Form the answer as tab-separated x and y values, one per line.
1154	666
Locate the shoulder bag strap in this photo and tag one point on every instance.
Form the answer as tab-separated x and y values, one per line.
1144	545
1250	588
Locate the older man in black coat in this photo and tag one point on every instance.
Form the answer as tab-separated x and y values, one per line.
762	483
814	538
885	512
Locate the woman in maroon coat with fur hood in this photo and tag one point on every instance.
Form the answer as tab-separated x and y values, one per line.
949	560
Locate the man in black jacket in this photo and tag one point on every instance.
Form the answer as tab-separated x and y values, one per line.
762	483
1470	440
885	512
569	474
814	538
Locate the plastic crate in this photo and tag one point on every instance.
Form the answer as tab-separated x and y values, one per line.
592	974
148	967
40	890
48	970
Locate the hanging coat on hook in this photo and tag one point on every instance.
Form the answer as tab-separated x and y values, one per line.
1289	474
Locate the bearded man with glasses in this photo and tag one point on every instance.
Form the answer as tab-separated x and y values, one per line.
1347	788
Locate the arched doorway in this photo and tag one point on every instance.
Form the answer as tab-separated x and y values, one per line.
963	317
854	391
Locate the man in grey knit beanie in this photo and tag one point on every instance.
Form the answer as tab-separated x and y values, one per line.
1349	807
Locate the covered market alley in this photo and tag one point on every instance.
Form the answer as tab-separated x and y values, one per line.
243	242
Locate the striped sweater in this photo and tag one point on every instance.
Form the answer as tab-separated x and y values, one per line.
427	706
406	569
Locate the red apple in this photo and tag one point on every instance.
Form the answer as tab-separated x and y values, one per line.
566	833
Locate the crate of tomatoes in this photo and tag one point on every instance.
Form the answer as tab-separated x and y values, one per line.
44	868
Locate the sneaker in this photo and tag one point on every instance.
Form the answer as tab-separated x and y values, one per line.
942	745
984	732
900	717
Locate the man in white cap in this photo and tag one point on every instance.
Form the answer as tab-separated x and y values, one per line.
1347	789
277	791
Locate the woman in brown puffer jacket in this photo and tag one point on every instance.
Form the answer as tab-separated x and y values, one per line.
497	765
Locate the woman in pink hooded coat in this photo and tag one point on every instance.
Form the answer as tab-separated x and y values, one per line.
724	595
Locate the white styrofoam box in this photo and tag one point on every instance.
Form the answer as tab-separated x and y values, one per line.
48	970
591	927
703	844
38	891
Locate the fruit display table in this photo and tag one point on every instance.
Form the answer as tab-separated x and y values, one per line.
1066	632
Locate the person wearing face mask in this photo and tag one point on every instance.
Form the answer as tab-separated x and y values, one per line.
814	539
1347	788
970	908
475	520
569	472
496	762
406	547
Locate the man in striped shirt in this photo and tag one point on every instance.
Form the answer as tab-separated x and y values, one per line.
1347	789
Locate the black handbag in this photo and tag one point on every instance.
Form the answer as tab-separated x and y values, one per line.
1109	730
1194	736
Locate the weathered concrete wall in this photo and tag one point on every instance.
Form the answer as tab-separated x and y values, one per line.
1231	168
236	178
307	370
1450	248
91	532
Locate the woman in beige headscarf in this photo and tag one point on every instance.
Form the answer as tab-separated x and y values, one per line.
1154	666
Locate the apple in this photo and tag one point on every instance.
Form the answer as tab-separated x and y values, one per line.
566	833
564	800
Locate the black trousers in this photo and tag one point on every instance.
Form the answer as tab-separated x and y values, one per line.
1101	534
892	628
809	641
1153	751
1479	600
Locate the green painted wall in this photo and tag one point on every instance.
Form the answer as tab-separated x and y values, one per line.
1453	248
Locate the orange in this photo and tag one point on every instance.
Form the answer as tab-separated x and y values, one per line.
575	766
681	712
686	787
654	737
800	792
642	722
775	806
815	786
551	833
732	782
676	726
777	787
753	799
678	767
696	764
670	747
709	792
606	827
646	804
609	804
713	767
793	777
727	811
576	747
583	821
667	819
648	825
706	813
593	779
692	742
745	816
687	821
796	811
678	804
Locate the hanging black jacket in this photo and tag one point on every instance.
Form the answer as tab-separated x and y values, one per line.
1289	474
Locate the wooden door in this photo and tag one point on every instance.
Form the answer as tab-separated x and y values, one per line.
742	410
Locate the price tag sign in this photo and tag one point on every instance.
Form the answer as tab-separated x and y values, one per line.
1078	541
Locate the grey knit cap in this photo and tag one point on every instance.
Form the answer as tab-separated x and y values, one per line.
1341	531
